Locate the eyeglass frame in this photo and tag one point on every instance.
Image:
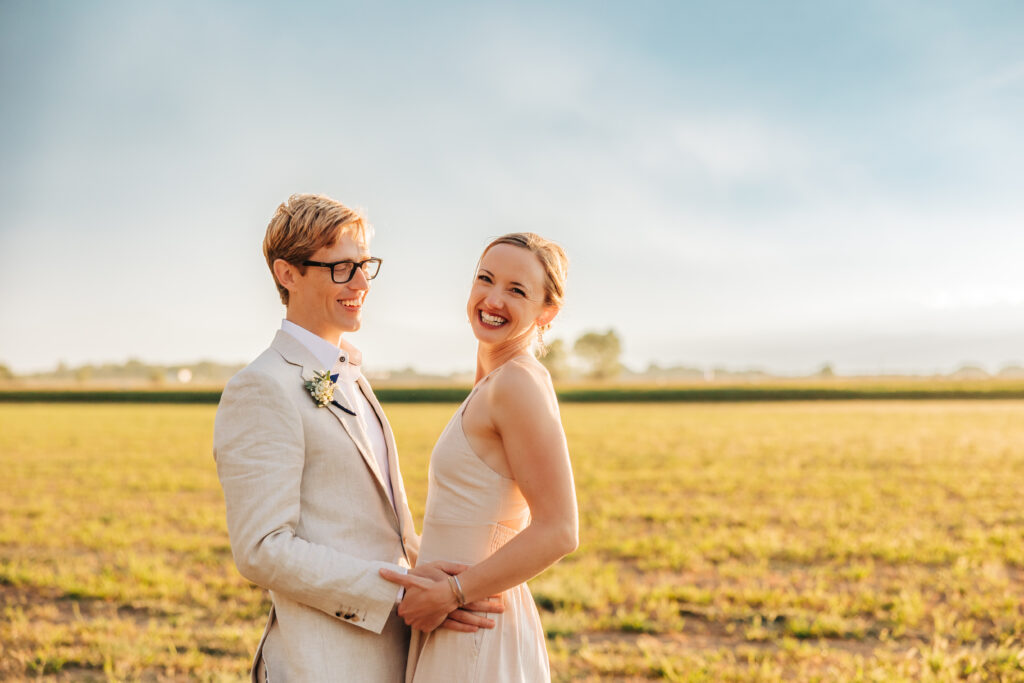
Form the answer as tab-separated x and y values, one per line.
358	265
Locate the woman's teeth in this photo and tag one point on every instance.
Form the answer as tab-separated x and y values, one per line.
492	319
351	302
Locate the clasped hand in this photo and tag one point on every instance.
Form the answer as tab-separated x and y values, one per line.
429	601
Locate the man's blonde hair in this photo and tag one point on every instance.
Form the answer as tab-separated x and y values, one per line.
307	223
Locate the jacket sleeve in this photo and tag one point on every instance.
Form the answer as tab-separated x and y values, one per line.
259	449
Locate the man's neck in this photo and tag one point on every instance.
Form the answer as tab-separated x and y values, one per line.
331	336
317	343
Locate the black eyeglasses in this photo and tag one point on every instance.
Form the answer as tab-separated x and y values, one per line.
342	271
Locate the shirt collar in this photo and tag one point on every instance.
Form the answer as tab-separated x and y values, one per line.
324	351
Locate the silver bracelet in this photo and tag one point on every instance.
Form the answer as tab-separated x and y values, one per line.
456	586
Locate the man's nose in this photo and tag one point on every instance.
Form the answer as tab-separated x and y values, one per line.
359	280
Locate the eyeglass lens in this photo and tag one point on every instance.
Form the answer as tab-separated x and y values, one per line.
343	271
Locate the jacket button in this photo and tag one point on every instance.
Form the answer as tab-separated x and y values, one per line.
337	614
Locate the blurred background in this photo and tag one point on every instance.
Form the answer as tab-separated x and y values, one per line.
766	205
788	188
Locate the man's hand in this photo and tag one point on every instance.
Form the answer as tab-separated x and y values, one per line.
426	603
428	593
437	571
464	619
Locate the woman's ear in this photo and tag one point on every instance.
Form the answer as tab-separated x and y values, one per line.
547	316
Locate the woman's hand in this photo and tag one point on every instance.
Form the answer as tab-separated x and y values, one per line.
427	602
464	618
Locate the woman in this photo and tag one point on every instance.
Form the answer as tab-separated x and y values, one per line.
500	496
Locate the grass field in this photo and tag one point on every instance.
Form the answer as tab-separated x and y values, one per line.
759	541
778	389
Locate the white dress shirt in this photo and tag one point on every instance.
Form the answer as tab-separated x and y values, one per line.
340	361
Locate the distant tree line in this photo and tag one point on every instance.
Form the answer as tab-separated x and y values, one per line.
594	355
133	371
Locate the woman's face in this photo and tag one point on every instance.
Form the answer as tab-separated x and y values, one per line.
507	298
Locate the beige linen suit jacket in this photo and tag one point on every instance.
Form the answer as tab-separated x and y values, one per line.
310	520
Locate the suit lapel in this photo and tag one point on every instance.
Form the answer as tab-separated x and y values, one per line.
358	436
296	354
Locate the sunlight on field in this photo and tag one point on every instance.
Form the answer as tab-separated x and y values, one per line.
762	541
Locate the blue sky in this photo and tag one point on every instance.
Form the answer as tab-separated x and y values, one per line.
740	183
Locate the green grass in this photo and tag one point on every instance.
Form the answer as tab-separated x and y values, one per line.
860	540
837	389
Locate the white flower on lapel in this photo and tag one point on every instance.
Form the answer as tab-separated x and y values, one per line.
321	388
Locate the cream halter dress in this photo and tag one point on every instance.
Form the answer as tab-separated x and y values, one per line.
471	512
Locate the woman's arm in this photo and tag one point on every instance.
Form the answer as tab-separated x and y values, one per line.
524	412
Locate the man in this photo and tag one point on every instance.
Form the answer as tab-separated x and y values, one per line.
314	496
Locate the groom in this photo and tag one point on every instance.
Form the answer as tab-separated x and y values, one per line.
315	500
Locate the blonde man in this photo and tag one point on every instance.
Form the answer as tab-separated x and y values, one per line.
314	497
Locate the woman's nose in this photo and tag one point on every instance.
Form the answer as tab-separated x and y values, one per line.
493	299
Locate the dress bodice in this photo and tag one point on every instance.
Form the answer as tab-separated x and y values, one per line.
471	510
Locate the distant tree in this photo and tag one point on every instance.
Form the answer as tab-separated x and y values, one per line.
84	373
826	371
601	354
970	371
5	372
1011	371
556	360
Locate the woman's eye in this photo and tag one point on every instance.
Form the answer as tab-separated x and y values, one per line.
518	291
483	278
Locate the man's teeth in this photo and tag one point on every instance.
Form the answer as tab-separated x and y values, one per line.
492	319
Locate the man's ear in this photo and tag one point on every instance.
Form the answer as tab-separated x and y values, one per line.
285	273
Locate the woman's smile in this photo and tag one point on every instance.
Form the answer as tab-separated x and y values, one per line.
492	320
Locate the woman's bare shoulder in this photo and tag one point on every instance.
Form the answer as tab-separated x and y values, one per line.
522	379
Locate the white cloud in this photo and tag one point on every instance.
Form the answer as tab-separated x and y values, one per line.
975	296
1000	80
733	148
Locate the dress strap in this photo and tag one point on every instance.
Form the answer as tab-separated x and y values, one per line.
484	379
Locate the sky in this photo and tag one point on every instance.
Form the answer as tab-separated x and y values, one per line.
740	184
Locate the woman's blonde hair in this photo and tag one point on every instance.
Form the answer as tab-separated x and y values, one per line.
305	224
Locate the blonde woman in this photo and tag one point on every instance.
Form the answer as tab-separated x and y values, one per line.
501	497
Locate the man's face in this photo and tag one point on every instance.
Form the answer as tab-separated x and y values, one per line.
323	306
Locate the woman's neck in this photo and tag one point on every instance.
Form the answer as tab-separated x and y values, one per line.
490	357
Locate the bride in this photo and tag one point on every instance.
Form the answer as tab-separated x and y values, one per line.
500	496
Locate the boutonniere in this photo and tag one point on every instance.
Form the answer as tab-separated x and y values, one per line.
321	388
